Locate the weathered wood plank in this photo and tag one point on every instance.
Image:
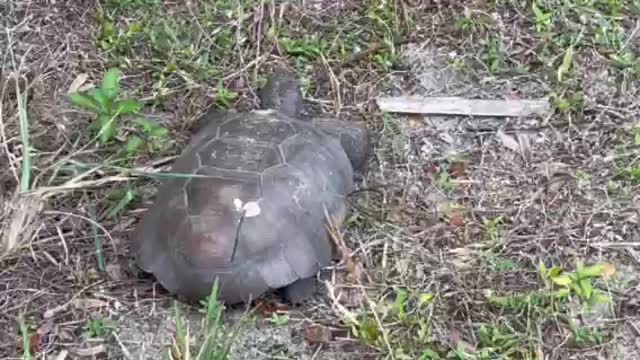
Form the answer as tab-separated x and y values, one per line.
462	106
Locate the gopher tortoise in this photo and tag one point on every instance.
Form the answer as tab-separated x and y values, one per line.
253	214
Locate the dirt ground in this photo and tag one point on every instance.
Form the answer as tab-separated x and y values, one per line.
455	215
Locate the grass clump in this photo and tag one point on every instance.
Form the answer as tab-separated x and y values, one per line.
105	103
215	341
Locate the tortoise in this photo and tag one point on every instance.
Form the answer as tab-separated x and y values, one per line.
253	213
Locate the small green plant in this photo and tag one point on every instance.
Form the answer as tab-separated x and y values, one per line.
579	282
215	343
542	19
587	336
498	263
279	319
493	54
26	338
122	199
225	97
492	227
502	342
568	101
444	183
308	48
583	179
99	328
105	103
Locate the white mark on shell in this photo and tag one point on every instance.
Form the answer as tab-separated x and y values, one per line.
264	111
250	209
238	204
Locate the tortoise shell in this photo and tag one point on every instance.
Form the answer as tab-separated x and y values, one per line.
251	210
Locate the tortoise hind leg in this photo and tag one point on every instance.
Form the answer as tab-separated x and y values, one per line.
353	136
299	291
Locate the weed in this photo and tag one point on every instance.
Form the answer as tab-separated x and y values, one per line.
543	19
225	97
26	338
278	319
215	343
493	54
104	102
500	341
122	198
444	183
579	282
99	328
587	336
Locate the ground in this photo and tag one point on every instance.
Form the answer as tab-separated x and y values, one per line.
471	237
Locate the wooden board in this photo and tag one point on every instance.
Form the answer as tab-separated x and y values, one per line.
462	106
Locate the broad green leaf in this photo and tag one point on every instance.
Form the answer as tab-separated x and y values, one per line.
159	132
84	101
127	106
111	83
567	60
133	144
601	298
147	126
586	288
561	293
401	298
555	271
99	97
562	280
107	128
592	271
425	298
543	269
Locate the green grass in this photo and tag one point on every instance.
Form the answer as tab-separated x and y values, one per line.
26	338
214	341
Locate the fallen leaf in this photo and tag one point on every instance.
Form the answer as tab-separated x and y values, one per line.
609	270
508	141
318	334
351	297
35	342
457	219
77	83
458	169
430	172
456	338
267	310
49	313
356	271
115	272
88	304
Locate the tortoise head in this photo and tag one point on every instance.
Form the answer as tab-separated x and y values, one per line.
283	93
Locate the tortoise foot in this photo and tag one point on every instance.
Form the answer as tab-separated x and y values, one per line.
300	291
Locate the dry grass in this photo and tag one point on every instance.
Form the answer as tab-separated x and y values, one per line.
453	216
